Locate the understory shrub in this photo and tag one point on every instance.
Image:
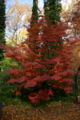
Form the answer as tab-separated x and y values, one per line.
6	90
45	63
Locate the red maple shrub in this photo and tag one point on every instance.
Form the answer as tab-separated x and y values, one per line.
45	62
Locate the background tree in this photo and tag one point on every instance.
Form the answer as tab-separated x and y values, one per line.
72	16
17	19
52	9
34	12
76	19
2	25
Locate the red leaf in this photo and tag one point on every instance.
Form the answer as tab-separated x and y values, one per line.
17	80
68	89
18	93
34	98
30	83
56	77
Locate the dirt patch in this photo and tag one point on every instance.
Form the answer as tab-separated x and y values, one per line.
48	112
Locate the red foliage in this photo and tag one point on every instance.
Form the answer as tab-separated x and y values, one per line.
41	95
44	60
34	97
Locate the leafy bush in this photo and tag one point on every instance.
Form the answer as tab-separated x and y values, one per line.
6	63
45	63
6	94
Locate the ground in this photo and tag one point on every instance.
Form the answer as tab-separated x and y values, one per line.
57	111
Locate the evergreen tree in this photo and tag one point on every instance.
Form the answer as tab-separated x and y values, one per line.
2	25
34	12
52	10
34	20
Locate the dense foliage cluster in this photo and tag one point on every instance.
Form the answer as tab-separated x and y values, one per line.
42	69
52	9
35	14
2	25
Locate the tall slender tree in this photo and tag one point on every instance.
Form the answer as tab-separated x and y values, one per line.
34	12
2	25
34	21
52	10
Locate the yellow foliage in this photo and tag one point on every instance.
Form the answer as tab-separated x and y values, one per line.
22	33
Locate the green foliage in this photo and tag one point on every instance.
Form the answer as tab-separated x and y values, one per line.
2	25
6	90
2	15
6	63
34	12
52	10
